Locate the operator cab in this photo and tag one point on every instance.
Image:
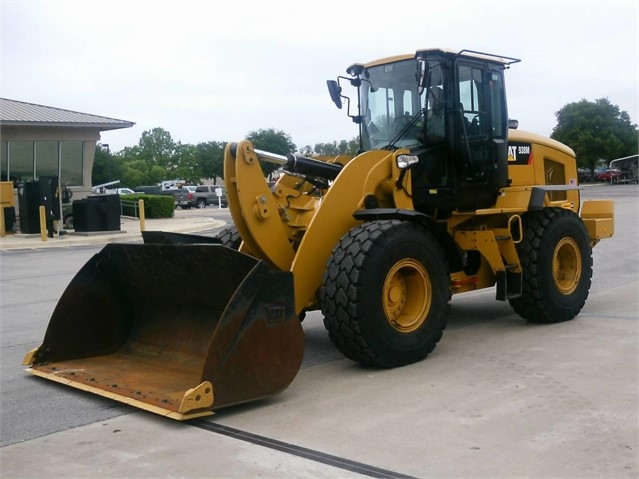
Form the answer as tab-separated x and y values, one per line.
448	109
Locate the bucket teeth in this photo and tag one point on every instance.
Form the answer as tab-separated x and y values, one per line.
29	358
197	398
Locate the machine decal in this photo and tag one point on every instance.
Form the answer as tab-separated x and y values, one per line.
519	153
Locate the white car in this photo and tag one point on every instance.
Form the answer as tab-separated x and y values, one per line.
123	191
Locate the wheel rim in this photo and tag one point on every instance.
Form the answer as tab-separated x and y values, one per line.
407	295
567	266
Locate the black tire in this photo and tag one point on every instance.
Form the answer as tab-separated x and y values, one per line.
230	237
385	293
201	203
68	222
556	258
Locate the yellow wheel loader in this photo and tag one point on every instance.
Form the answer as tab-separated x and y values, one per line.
444	196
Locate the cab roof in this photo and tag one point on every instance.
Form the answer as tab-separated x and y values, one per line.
429	51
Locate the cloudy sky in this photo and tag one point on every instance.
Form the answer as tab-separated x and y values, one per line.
215	70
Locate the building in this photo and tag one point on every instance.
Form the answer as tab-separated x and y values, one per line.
38	140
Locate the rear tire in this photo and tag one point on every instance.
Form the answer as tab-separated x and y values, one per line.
556	259
385	294
201	203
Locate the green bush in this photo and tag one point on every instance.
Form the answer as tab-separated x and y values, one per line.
155	206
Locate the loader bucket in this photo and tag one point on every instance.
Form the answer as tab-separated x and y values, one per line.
170	237
176	329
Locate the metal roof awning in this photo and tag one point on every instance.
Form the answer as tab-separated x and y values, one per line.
18	113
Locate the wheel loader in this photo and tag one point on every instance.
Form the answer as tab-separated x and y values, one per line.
444	196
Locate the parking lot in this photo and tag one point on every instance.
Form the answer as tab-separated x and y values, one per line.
498	398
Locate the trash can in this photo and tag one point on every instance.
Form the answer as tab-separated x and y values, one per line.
28	206
9	217
86	216
32	195
110	208
97	213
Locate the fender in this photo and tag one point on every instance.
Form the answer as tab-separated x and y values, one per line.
445	240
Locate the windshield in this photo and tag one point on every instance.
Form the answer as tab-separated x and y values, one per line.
391	104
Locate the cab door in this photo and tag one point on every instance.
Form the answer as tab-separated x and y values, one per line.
480	134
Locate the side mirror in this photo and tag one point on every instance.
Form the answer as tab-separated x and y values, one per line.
335	91
513	124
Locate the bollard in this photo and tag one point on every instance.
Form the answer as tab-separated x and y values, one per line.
141	214
43	223
3	230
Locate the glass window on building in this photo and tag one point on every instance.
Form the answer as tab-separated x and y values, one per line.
46	158
71	163
4	162
20	160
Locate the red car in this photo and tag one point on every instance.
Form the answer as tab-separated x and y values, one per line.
609	175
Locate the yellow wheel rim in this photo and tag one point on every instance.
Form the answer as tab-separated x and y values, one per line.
566	265
407	295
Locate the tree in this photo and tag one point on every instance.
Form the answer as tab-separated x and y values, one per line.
333	149
187	166
306	151
105	166
210	159
154	159
157	157
273	141
156	147
595	130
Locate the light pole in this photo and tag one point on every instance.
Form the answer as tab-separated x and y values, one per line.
108	150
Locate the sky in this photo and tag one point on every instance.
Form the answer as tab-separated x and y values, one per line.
216	70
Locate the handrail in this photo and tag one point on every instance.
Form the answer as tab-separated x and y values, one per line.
129	204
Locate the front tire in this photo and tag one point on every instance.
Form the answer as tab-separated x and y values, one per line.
385	294
230	237
556	259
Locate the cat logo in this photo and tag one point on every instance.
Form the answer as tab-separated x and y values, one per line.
519	153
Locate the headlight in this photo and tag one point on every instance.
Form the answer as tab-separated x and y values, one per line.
404	161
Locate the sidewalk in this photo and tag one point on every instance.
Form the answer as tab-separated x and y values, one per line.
129	232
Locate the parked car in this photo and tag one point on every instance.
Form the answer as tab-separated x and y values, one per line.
208	195
585	175
609	175
183	197
148	190
120	191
